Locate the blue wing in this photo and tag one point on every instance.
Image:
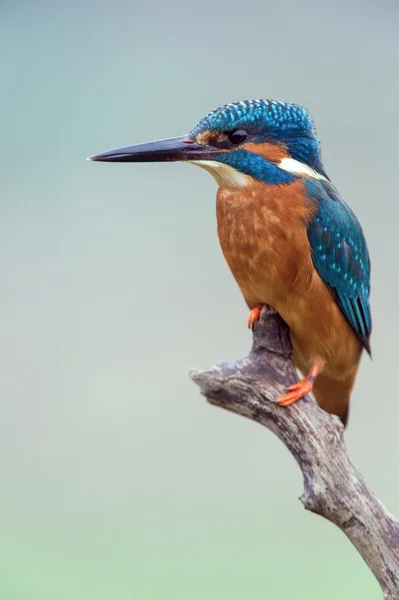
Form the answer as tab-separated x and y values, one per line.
340	255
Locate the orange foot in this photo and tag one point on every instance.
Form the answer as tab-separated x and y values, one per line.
254	316
300	389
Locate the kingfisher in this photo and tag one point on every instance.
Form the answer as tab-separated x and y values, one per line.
288	237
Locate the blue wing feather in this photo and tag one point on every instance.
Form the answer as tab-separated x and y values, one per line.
340	256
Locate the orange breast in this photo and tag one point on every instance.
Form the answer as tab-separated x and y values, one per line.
262	232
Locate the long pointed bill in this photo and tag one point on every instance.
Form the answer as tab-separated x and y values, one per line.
173	149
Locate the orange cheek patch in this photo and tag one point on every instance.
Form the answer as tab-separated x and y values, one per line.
274	153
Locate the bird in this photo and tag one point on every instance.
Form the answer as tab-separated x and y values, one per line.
289	239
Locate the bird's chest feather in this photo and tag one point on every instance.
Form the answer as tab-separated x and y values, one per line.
262	232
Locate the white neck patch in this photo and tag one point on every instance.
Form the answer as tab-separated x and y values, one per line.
294	166
224	174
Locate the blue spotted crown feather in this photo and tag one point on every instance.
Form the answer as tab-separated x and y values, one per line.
281	122
271	115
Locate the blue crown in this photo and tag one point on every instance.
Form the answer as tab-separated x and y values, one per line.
264	116
269	120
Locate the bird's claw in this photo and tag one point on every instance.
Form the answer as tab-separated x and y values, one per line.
295	392
254	317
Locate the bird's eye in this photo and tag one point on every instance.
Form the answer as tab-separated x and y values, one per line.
238	136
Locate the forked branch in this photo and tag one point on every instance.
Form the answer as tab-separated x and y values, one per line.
333	486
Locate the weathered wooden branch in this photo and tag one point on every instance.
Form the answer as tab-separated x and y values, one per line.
334	488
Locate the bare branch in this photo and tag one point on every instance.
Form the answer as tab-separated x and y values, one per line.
333	487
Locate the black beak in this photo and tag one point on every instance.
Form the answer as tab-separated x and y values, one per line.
173	149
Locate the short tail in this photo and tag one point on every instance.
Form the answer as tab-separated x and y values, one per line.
333	395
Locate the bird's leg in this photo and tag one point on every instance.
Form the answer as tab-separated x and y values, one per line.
254	316
304	386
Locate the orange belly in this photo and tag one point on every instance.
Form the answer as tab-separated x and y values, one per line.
262	232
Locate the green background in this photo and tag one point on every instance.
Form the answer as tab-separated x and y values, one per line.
118	481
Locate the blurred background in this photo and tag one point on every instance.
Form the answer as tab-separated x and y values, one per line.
117	480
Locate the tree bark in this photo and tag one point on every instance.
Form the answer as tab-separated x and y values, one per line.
333	486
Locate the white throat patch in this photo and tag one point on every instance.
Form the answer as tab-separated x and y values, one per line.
294	166
224	174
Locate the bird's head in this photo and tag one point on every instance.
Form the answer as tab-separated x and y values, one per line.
267	140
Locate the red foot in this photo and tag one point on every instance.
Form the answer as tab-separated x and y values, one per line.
300	389
296	392
254	316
